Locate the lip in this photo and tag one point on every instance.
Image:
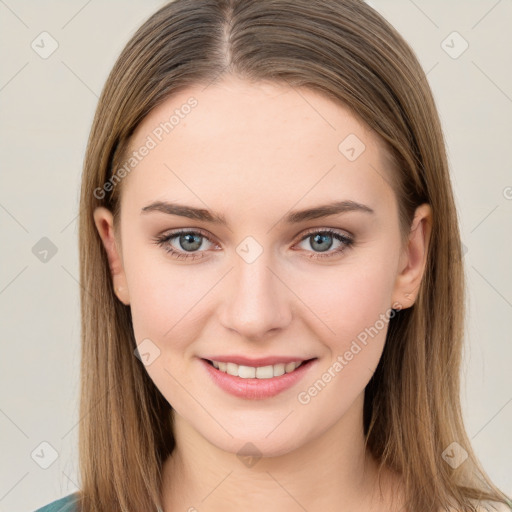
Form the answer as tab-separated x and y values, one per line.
257	389
260	361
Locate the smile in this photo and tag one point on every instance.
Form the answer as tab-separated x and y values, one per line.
256	372
256	382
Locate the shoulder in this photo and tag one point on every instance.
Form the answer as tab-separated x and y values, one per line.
66	504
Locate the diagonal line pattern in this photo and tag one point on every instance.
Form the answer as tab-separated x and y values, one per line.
215	78
79	78
69	223
14	76
78	282
297	202
89	411
14	486
217	486
301	300
13	279
484	218
298	92
503	407
71	480
165	165
204	295
424	14
13	13
14	423
493	287
14	218
286	491
492	81
76	14
485	14
198	402
280	423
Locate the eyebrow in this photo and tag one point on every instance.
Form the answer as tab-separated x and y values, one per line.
293	217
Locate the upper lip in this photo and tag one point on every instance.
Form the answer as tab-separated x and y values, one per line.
260	361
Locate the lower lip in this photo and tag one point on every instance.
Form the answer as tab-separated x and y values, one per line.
256	389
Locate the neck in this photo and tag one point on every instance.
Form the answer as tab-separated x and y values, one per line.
332	472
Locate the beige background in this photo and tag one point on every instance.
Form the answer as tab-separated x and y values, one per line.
47	105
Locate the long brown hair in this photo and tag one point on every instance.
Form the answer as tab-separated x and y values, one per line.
347	51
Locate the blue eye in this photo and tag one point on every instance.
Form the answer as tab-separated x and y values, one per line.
323	240
187	240
190	241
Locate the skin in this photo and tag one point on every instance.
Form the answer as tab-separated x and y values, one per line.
253	152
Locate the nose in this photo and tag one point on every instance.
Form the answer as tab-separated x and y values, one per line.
257	300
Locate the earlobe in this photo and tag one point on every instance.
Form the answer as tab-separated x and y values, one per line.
104	222
414	258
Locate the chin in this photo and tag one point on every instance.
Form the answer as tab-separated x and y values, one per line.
268	439
250	449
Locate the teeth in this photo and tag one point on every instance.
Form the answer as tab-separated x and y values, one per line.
289	367
265	372
260	372
279	369
247	372
232	369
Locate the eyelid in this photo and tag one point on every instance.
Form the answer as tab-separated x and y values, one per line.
197	231
342	236
299	238
323	229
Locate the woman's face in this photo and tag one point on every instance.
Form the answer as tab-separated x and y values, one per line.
268	281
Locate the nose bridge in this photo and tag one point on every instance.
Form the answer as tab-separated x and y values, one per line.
257	301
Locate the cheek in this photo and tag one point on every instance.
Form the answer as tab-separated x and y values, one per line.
351	297
166	299
355	305
352	303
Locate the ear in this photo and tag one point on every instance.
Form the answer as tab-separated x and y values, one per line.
413	258
104	221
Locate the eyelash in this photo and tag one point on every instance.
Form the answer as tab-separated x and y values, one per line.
163	241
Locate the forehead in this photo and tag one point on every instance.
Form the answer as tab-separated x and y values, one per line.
255	145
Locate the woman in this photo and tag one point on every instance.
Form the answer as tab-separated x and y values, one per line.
303	352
